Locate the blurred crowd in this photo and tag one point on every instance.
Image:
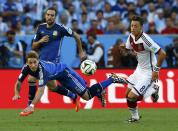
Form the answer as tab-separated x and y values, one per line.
21	17
85	16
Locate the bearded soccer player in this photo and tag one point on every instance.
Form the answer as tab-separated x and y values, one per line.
48	42
142	83
45	71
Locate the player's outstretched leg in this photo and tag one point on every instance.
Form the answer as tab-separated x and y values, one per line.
99	88
115	79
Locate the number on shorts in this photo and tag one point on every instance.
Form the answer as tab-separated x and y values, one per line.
142	89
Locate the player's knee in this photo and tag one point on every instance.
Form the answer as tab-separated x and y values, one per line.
132	95
52	85
131	99
131	102
85	96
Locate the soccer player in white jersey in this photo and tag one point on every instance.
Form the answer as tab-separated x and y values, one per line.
141	83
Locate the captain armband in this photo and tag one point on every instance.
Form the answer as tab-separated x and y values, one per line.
156	68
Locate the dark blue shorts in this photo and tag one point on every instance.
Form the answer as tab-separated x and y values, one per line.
72	81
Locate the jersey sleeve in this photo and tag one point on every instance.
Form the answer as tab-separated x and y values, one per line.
66	31
23	74
127	44
150	44
37	35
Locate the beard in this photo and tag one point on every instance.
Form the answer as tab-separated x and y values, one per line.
50	22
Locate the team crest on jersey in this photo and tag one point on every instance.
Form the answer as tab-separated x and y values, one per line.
55	33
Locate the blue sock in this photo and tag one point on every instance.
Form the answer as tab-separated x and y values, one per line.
32	92
106	83
95	90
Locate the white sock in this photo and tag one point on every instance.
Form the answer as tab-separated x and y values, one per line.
134	113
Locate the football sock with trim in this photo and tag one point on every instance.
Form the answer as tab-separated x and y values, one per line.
106	83
32	92
63	91
132	105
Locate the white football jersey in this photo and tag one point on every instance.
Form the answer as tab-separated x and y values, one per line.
145	48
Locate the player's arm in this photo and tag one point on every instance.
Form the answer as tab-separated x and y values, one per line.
38	39
17	90
36	44
65	31
161	57
157	67
18	84
155	48
79	46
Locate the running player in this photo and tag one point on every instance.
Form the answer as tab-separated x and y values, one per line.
142	82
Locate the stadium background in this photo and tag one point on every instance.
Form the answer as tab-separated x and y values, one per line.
156	119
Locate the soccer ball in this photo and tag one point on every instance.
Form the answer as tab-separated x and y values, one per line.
88	67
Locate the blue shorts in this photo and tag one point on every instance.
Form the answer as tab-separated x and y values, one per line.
72	81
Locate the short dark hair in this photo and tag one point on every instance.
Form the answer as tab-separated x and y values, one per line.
138	18
93	35
52	8
32	54
74	20
99	11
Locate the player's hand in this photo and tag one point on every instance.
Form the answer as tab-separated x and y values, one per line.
44	39
155	76
15	97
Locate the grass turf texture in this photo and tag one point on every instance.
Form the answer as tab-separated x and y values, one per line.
89	120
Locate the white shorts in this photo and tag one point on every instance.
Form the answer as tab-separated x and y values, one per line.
139	81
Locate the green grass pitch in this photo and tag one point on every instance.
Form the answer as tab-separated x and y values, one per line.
88	120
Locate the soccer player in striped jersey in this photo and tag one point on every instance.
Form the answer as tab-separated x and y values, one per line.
48	42
141	83
45	71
